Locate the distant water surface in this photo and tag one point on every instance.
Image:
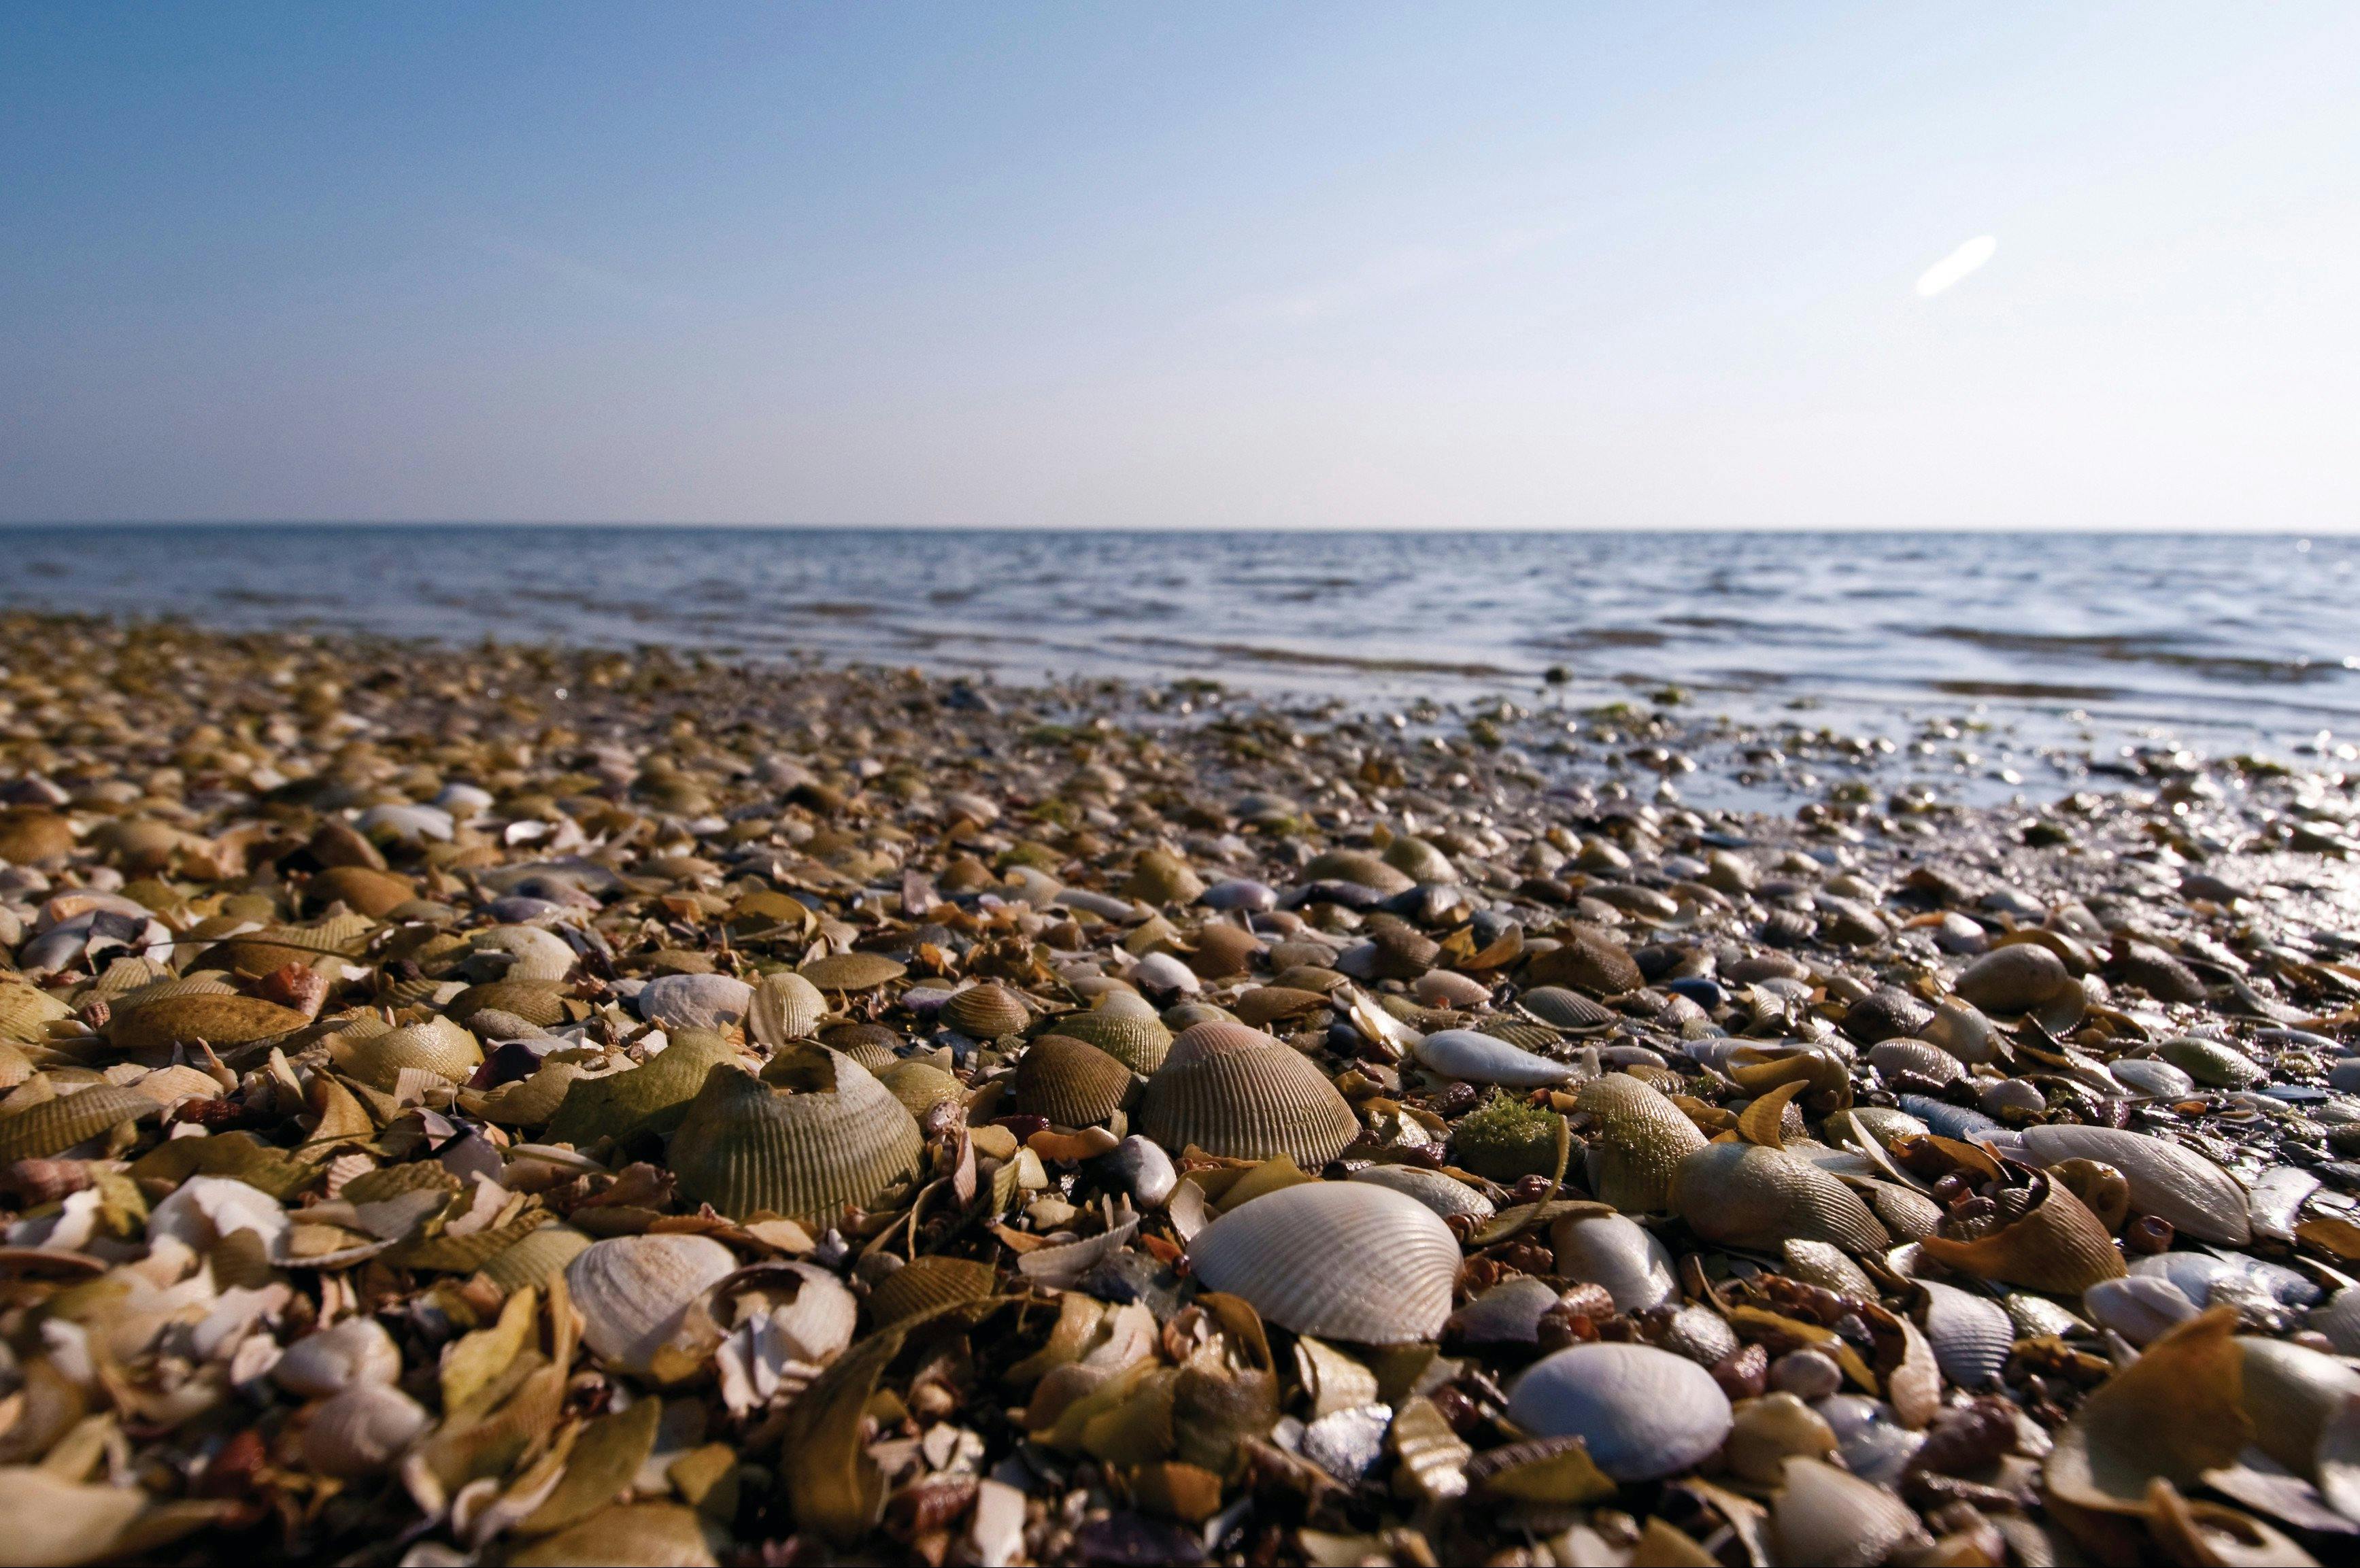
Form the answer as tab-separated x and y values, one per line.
2240	642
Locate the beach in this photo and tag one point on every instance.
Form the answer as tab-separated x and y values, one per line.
509	1102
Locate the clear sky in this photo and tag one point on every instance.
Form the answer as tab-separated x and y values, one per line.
1201	265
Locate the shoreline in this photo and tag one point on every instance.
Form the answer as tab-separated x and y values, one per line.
370	923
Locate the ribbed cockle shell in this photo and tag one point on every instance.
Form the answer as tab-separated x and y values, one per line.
1740	1194
1344	1260
1236	1092
746	1148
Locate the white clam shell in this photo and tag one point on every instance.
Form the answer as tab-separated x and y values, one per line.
1643	1413
1971	1334
1346	1260
406	824
1446	1195
355	1351
2198	1197
1162	972
1961	1030
1916	1058
529	953
2340	1320
1480	1059
1448	988
635	1292
817	1324
2145	1075
1620	1254
2139	1307
362	1430
695	1001
1823	1515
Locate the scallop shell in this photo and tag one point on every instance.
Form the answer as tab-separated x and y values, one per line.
1345	1260
25	1012
533	953
1265	1004
1643	1413
1641	1140
1622	1256
354	1351
1071	1083
2198	1197
985	1012
924	1284
1592	962
361	1431
1139	1043
785	1007
745	1148
635	1292
1224	951
1237	1093
654	1096
538	1002
1565	1009
220	1021
1484	1058
921	1085
1895	1058
2058	1245
534	1257
874	1055
371	892
1972	1334
1446	1195
695	1001
437	1046
55	1126
852	971
1740	1195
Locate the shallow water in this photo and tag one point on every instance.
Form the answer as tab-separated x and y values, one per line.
2075	640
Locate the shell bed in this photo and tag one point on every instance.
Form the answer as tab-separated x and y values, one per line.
534	1107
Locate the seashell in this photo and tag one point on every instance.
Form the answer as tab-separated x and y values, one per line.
533	1257
362	888
1508	1314
1950	1121
663	1534
1972	1334
1343	1260
1071	1083
635	1293
2211	1062
1416	859
1871	1442
745	1148
1702	1334
406	824
1484	1058
921	1085
1961	1029
874	1055
1239	893
26	1012
1447	989
1586	959
2145	1075
2055	1245
1162	976
525	1102
1160	877
2025	978
1525	1036
1142	1167
785	1007
1137	1040
1359	868
655	1096
695	1001
2290	1393
2142	1307
1624	1257
2003	1096
985	1012
1643	1413
1266	1005
538	1002
2339	1320
1818	1263
1915	1059
361	1431
1744	1195
354	1351
1565	1009
1446	1195
1641	1137
29	836
220	1021
1887	1013
1771	1430
532	954
1239	1094
2198	1197
55	1126
1875	1125
1823	1515
923	1284
852	971
2104	1190
437	1046
1224	951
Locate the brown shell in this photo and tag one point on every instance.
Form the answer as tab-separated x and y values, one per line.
1565	1009
1641	1137
746	1148
539	1003
535	1257
438	1046
25	1012
371	892
655	1096
924	1284
29	835
1266	1005
1588	960
985	1012
55	1126
219	1021
852	971
1358	866
1740	1195
1072	1083
921	1085
1223	950
1138	1042
1237	1093
2057	1247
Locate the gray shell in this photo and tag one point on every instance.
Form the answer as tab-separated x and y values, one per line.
1484	1058
1644	1413
1345	1260
2198	1197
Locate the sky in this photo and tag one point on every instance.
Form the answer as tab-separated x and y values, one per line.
1303	265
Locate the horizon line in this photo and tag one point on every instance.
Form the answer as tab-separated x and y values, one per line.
624	523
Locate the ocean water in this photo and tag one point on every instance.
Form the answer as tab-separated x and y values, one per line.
2072	640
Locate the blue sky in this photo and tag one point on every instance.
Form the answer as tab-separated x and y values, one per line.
1299	265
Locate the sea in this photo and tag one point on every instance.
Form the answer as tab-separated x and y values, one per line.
2073	644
